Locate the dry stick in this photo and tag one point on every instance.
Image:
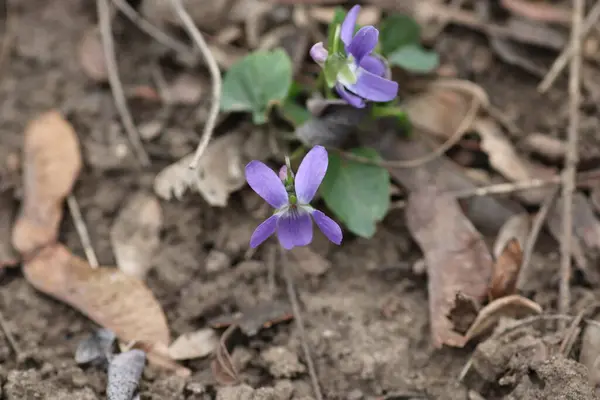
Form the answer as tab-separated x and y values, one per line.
215	75
9	337
82	231
150	29
564	295
115	82
300	324
536	228
565	56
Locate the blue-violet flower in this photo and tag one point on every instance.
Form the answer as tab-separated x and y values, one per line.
358	74
290	195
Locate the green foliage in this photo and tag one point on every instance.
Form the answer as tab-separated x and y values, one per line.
357	193
256	83
400	43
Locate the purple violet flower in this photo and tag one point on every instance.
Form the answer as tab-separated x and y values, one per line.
361	78
290	196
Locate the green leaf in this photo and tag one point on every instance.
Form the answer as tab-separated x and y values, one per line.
414	58
256	83
357	193
398	31
390	110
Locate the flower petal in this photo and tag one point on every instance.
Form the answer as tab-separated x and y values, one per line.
328	226
265	182
319	53
263	231
294	229
363	42
310	174
350	98
347	29
374	65
372	87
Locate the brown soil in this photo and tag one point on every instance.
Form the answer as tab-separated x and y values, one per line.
366	317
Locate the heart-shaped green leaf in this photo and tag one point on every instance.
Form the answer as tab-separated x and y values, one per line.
256	83
398	31
414	58
357	193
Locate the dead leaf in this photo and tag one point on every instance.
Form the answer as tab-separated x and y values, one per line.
369	15
516	54
456	256
550	147
91	55
219	173
135	234
252	320
463	312
508	255
513	306
186	89
8	255
539	11
114	300
590	352
51	163
192	345
537	34
504	159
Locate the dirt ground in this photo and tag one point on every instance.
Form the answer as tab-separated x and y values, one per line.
366	317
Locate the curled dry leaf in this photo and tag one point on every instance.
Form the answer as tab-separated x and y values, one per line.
51	163
91	55
114	300
504	159
135	234
513	306
590	352
8	255
220	171
547	146
124	374
508	255
197	344
456	256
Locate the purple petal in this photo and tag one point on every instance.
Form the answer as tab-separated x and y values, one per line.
294	229
374	65
347	28
319	53
311	173
363	42
263	231
265	182
350	98
328	226
372	87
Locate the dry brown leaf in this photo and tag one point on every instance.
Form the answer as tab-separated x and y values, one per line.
91	55
114	300
513	306
456	256
8	255
192	345
51	163
508	255
550	147
220	171
135	234
504	159
590	352
539	11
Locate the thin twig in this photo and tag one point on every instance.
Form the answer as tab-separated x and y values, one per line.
104	20
9	337
566	55
536	228
82	231
300	324
151	30
215	75
564	296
